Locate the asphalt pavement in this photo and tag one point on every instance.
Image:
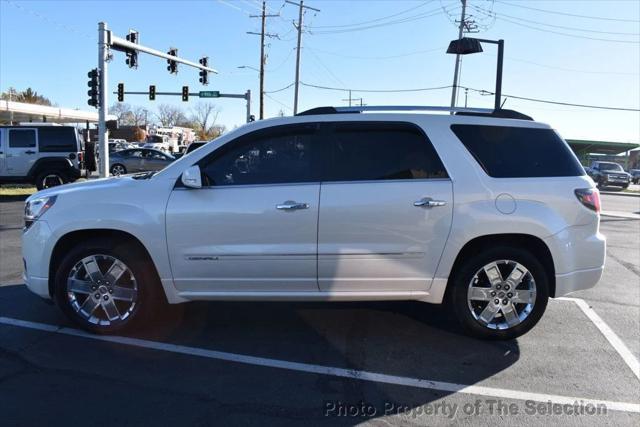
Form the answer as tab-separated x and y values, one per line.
316	363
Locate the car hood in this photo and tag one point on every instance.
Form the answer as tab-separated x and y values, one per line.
84	186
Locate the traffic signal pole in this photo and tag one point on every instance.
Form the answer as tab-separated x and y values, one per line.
103	99
106	43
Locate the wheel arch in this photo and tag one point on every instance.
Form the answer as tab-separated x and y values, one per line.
525	241
67	241
62	164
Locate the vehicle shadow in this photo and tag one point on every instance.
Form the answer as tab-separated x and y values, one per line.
405	339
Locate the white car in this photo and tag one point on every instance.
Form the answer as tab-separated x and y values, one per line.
489	212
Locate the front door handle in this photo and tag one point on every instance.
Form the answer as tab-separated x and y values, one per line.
428	202
29	152
290	205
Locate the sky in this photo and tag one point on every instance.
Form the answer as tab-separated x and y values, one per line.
362	45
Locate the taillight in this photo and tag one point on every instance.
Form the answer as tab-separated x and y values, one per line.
590	197
80	156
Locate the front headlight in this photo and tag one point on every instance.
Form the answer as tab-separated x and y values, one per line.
35	208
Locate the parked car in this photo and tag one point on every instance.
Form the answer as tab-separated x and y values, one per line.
607	174
45	155
635	175
487	212
138	160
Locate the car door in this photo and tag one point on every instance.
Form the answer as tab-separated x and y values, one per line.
21	151
134	160
385	209
155	160
253	225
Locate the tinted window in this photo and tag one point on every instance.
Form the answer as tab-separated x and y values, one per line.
611	167
22	138
381	151
57	139
514	152
272	157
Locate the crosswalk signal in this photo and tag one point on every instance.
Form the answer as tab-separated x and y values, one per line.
120	92
185	93
204	74
132	55
173	65
94	86
152	92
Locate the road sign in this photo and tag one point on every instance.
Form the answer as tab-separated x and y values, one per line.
209	94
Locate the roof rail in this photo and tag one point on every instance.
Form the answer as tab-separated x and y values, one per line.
510	114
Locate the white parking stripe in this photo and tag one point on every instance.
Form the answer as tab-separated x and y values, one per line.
327	370
608	333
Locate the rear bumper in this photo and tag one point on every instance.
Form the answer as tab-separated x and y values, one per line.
577	280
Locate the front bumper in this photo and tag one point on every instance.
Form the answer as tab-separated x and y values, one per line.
36	250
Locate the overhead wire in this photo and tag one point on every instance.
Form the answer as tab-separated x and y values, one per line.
555	12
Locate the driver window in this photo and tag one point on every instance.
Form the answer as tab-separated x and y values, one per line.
276	158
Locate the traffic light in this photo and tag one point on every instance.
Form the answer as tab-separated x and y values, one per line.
173	65
120	92
152	92
132	55
94	87
185	93
204	75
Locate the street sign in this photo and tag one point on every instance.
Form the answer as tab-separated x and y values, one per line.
209	94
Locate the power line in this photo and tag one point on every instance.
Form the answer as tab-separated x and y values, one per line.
281	89
431	13
377	19
587	30
554	12
376	90
546	101
402	55
545	30
480	91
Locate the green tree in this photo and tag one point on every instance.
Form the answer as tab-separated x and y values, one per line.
28	96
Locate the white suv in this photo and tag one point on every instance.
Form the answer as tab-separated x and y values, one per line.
489	212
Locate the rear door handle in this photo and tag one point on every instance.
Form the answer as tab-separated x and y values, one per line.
428	202
29	152
290	205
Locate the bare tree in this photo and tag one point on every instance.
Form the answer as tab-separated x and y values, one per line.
122	112
139	116
169	115
202	113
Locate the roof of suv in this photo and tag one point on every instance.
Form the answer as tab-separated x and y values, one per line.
500	113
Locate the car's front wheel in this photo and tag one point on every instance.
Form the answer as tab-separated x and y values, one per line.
501	293
106	286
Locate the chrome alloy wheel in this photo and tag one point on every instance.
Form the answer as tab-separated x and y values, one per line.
102	290
118	170
501	294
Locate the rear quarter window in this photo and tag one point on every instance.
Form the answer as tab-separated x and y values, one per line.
56	139
518	152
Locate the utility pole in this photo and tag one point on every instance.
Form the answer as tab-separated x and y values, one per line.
457	67
103	132
354	99
264	17
297	81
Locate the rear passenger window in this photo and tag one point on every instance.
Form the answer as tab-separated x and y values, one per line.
22	138
381	151
56	139
516	152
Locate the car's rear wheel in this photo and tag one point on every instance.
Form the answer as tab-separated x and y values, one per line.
118	169
49	179
500	293
105	286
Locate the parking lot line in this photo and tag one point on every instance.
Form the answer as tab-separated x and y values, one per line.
608	333
326	370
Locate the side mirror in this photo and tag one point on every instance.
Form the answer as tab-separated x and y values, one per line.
191	178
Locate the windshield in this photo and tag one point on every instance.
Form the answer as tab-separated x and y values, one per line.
610	167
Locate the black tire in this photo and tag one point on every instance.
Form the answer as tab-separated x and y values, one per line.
461	279
149	299
51	178
118	169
